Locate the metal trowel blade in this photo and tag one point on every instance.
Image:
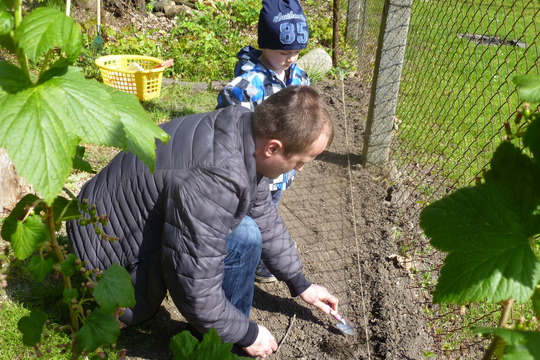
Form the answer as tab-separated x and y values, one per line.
345	327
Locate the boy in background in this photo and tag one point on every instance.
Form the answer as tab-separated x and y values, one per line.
282	33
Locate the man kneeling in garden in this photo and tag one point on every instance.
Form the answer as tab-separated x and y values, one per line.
211	177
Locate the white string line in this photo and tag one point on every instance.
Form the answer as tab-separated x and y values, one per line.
354	216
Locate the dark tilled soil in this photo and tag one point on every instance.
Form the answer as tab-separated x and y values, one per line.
342	219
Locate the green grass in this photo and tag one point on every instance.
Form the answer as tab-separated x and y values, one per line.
178	100
19	294
11	339
455	94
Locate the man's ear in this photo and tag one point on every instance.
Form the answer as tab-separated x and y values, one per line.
273	147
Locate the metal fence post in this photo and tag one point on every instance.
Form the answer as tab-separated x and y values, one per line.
385	86
355	27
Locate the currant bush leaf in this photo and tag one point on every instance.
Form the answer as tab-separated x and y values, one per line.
186	347
40	267
59	113
138	127
65	209
31	327
69	294
28	235
6	22
486	230
45	29
79	163
531	138
182	345
12	79
101	328
529	87
69	268
114	289
518	345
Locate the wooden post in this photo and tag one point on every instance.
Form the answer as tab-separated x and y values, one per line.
335	32
385	87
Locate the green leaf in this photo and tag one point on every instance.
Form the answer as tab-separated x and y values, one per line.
6	41
28	236
32	326
12	79
138	127
114	289
531	138
528	87
186	347
220	351
19	212
40	267
211	347
6	5
69	294
55	115
211	338
486	230
79	163
102	328
6	22
36	114
519	345
45	29
68	265
182	345
65	209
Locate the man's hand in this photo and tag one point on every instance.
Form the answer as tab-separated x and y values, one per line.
264	345
318	296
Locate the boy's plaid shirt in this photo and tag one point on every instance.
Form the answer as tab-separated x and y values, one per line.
253	83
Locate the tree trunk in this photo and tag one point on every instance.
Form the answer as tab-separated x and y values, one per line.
12	186
335	30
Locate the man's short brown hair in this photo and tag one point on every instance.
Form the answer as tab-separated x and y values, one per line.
296	116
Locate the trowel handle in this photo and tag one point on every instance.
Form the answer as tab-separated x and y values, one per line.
336	315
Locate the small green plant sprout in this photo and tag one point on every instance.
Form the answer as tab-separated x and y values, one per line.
186	347
490	233
427	354
48	109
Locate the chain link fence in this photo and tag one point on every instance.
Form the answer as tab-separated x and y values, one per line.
456	90
455	94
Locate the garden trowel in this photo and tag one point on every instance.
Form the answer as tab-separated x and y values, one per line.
343	324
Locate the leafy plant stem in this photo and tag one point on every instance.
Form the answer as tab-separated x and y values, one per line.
18	12
21	56
506	308
46	61
69	192
60	256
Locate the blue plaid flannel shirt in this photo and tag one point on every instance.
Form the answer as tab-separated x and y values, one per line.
253	83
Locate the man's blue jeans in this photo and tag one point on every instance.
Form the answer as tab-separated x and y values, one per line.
244	247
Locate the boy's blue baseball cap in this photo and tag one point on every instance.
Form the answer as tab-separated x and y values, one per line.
282	25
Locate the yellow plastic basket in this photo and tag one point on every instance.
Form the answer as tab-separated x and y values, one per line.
117	71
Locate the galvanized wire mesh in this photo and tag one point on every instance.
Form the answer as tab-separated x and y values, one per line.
457	90
456	93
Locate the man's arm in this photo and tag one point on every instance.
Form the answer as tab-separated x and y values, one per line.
279	252
199	216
